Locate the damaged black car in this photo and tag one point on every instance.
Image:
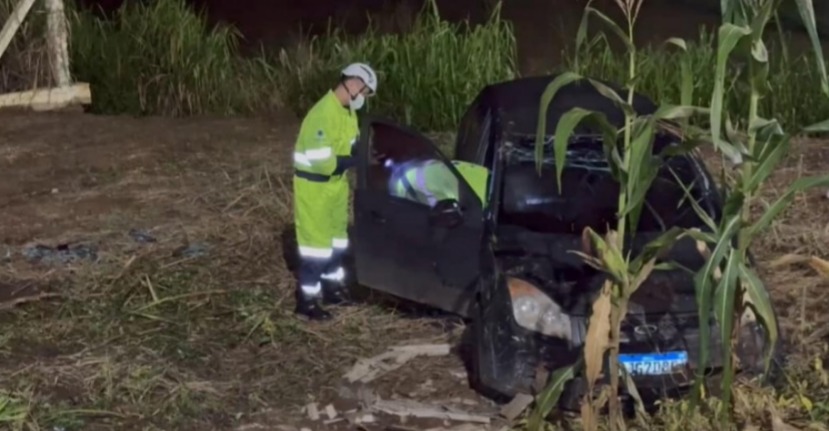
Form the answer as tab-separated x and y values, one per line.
507	267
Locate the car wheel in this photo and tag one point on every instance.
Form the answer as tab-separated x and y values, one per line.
750	352
474	345
498	368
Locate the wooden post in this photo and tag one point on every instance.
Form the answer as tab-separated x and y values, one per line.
57	40
13	23
63	92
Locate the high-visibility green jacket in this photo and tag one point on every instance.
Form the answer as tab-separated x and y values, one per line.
430	181
326	140
323	152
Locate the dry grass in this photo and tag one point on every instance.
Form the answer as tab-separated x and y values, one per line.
149	339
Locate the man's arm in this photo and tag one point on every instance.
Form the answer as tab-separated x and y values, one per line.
318	155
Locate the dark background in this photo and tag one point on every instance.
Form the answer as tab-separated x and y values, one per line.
543	27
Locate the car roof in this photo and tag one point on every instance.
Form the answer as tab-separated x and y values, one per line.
515	103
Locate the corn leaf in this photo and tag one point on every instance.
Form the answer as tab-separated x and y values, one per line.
783	202
820	127
724	312
772	144
701	213
611	94
548	398
656	247
761	304
806	9
613	26
642	170
564	129
704	294
541	132
729	36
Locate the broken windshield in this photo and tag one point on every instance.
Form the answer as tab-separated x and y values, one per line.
589	193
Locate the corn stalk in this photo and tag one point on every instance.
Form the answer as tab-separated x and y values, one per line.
634	166
727	285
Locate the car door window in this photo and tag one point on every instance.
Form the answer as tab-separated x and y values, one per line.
393	148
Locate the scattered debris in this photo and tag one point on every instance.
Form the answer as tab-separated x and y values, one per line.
368	369
63	253
777	424
330	411
463	427
5	305
365	418
459	374
191	251
313	413
141	236
5	254
411	408
516	406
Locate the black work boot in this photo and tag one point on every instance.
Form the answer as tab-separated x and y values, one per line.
309	307
335	293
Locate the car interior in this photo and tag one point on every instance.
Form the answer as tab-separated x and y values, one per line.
388	143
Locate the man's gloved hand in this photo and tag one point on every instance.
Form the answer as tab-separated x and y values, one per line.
344	163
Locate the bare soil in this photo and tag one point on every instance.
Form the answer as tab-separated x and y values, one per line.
155	335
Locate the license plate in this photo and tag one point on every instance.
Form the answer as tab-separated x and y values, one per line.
653	364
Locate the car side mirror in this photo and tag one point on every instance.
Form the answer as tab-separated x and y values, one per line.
446	214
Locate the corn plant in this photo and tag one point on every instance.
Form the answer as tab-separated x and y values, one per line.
634	166
727	284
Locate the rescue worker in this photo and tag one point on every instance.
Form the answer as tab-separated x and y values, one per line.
430	181
324	152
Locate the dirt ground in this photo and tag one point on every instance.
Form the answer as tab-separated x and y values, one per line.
183	319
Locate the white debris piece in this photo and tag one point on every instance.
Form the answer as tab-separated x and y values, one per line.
364	419
516	406
330	411
368	369
313	412
411	408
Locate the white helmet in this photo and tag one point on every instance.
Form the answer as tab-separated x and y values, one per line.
364	72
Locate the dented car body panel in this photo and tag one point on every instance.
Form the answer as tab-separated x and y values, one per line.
508	268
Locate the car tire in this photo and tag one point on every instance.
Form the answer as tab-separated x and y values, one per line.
756	368
515	371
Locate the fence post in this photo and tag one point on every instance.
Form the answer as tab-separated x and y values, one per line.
57	40
13	23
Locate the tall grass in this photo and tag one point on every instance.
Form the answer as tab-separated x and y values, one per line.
791	79
163	58
427	76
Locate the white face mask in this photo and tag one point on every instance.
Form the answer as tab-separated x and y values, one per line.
357	102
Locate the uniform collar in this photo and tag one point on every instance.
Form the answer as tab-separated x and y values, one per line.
332	98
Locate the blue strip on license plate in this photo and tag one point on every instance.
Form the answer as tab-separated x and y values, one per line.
650	364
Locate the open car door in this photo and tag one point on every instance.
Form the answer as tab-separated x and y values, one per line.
397	250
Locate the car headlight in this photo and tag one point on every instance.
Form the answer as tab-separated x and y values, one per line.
536	311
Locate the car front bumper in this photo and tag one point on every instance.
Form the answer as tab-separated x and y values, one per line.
512	360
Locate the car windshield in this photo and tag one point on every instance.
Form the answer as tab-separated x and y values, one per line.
589	193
